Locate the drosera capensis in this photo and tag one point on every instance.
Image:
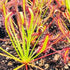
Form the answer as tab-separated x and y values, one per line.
23	51
28	20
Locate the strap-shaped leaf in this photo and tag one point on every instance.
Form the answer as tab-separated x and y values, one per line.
29	31
4	10
6	1
44	44
62	29
19	67
9	55
13	37
10	33
43	47
65	55
68	4
22	17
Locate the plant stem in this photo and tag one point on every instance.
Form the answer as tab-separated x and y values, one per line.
26	67
43	57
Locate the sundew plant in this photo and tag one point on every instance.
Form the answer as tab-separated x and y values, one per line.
25	55
26	33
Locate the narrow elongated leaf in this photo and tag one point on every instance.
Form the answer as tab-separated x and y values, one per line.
23	38
65	55
4	11
29	31
68	4
19	67
9	55
44	44
22	17
15	38
43	47
14	41
62	29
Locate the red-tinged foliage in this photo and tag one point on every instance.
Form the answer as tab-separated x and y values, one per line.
62	33
65	54
47	45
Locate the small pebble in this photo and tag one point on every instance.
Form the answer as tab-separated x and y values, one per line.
66	66
10	63
7	58
56	69
37	62
56	57
16	55
2	60
46	66
3	45
6	43
7	48
41	62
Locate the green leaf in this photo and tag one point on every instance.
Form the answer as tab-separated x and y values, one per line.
43	47
29	31
68	4
19	67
